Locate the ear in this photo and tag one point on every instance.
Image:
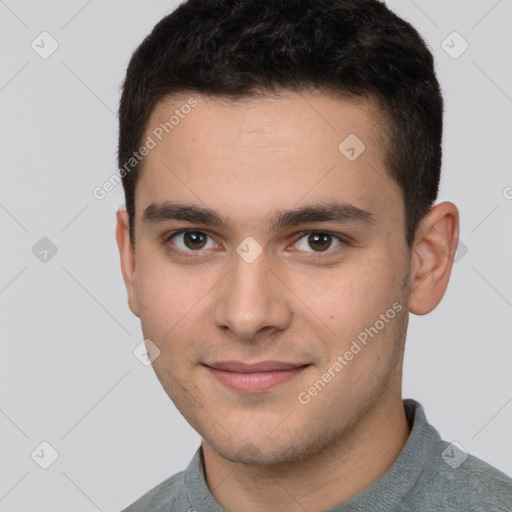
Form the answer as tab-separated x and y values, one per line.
127	255
432	257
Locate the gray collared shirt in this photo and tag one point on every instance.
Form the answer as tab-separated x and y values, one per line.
429	475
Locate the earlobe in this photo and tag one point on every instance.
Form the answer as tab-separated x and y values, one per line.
127	257
432	257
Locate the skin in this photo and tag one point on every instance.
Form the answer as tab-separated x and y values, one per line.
247	160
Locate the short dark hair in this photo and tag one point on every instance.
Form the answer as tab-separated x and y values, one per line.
238	49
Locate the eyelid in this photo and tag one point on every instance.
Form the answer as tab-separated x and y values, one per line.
343	239
168	236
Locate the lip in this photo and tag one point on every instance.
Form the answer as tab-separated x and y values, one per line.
254	377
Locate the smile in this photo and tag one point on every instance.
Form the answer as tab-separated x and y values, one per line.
254	378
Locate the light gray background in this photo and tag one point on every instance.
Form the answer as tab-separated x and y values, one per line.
67	372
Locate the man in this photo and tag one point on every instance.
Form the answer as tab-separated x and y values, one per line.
280	161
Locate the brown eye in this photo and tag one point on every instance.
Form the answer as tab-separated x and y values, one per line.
318	242
191	241
194	239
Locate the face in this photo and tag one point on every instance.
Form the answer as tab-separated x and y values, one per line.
270	269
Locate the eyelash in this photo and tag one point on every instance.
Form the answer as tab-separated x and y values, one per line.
323	254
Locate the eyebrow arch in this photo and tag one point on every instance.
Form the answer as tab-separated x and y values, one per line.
318	212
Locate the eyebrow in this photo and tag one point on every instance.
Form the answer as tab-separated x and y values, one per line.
318	212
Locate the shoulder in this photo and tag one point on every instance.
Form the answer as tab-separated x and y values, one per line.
167	496
443	476
457	481
480	485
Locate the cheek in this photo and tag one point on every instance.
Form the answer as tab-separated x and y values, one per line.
155	294
344	296
345	301
172	305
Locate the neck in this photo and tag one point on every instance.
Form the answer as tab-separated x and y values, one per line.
321	481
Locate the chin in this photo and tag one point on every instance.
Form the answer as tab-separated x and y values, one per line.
260	450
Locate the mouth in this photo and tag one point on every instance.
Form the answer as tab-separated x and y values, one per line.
255	377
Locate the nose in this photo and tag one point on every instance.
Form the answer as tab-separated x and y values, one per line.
252	300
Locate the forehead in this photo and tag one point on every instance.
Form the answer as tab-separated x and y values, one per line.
264	151
287	117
